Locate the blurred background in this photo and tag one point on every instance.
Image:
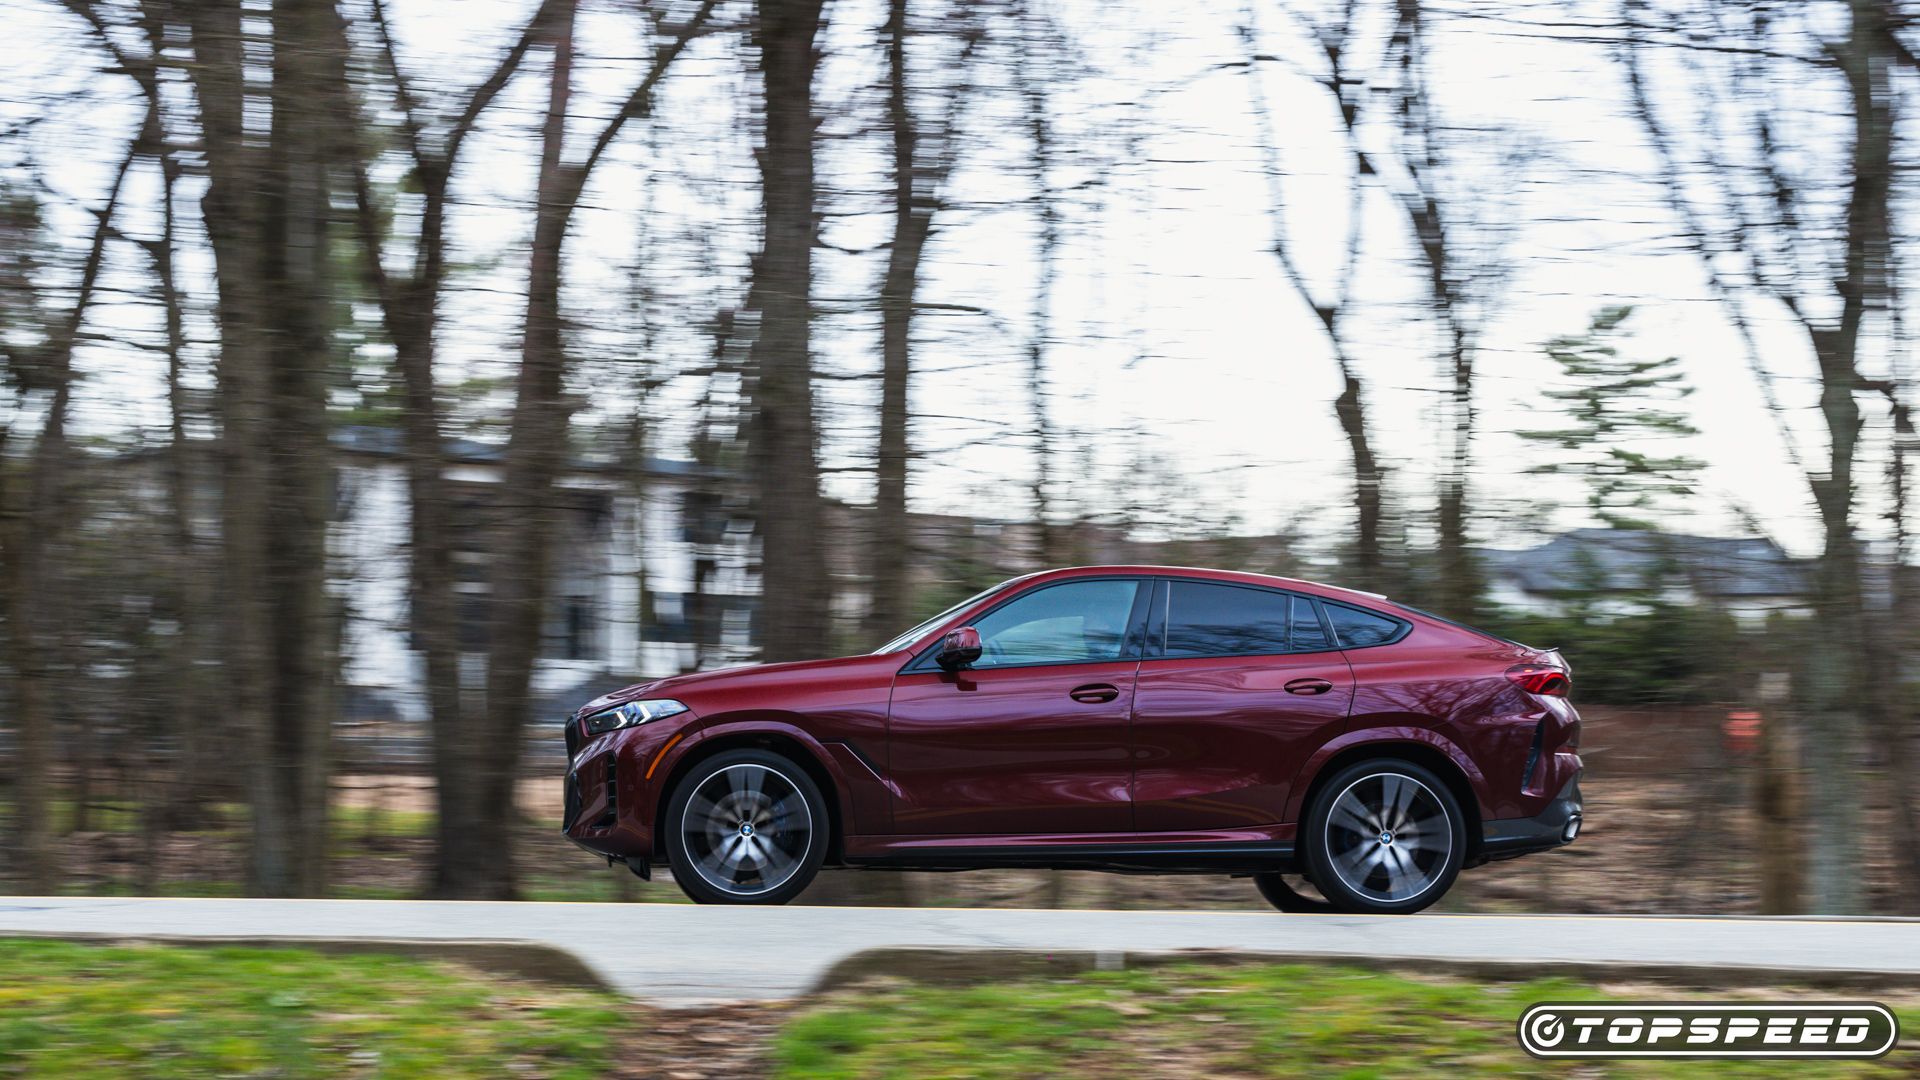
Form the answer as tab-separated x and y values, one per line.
385	378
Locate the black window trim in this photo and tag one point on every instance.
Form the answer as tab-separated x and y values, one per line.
1403	626
1163	598
923	662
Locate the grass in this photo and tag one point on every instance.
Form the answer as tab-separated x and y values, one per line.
1263	1020
70	1010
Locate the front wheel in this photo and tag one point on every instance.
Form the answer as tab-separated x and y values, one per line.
1384	837
745	827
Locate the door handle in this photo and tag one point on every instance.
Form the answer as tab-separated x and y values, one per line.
1309	686
1094	693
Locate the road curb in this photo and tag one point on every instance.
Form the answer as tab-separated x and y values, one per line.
963	967
530	960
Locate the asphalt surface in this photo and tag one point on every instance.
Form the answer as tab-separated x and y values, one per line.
673	954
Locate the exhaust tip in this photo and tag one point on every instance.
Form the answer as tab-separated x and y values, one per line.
1572	830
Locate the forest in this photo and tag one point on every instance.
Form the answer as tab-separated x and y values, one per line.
910	296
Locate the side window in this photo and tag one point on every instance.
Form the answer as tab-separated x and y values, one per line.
1079	621
1222	620
1308	634
1358	629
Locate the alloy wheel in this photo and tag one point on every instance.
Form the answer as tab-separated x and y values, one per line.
747	829
1389	837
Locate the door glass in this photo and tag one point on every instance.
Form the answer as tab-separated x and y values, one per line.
1307	634
1080	621
1222	620
1358	629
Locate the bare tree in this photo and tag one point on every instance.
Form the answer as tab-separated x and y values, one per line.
921	164
33	527
409	307
537	448
785	465
1465	262
1764	234
1331	306
1038	44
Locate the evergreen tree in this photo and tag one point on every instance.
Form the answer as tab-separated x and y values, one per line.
1615	407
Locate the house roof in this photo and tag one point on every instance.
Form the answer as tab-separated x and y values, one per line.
1626	559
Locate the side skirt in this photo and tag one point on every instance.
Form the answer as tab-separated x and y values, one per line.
1229	858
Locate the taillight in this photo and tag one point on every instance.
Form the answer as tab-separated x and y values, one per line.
1540	679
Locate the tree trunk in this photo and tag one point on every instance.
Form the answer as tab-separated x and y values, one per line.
1366	562
232	212
890	606
1460	583
1369	565
1835	662
535	452
1457	590
1891	639
196	776
308	57
33	528
266	211
461	867
1040	130
795	591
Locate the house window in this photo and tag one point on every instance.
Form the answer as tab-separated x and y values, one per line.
575	639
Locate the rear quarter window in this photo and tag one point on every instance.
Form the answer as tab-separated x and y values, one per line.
1357	628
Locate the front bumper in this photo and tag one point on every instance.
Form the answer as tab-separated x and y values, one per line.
1553	827
606	802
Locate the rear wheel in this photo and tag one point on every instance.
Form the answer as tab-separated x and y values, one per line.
745	827
1384	837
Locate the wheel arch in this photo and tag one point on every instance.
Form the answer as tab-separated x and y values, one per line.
789	743
1434	753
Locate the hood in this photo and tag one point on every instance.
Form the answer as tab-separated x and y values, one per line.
679	686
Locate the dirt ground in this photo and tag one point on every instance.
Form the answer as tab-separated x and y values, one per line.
1669	828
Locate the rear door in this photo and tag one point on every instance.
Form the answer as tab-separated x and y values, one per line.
1240	683
1033	737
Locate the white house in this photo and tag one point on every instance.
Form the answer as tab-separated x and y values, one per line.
655	571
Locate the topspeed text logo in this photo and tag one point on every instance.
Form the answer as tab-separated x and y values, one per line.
1853	1029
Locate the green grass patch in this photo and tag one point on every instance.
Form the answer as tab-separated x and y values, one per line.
358	821
1257	1020
70	1010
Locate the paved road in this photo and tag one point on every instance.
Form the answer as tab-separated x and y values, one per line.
674	954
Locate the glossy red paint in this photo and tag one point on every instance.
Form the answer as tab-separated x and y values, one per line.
1012	750
1116	762
1218	741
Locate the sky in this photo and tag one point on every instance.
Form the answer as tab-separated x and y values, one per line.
1174	338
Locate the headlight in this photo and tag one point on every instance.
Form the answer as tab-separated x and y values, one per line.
632	714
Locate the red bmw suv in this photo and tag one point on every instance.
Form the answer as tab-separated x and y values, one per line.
1131	718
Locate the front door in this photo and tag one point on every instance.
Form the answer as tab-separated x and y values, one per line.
1236	690
1032	738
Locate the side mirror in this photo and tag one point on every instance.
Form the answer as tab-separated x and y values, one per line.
959	648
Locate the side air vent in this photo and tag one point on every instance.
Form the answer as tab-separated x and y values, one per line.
572	810
1533	755
610	778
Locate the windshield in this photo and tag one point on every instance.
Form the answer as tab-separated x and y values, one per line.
913	635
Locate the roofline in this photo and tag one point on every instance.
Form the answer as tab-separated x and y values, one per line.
1246	577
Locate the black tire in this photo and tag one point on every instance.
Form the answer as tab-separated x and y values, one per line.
1351	851
1281	894
745	827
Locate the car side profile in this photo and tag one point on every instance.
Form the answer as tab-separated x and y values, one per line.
1130	718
